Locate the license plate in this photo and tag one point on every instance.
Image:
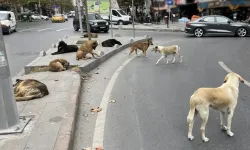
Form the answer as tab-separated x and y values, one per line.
102	27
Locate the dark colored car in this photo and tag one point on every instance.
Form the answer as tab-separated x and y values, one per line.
96	23
216	24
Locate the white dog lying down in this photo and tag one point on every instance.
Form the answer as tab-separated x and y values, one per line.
168	50
223	99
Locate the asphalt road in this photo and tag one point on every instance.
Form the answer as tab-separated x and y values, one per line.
30	38
153	101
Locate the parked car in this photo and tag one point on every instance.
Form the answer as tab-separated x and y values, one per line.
44	17
96	23
66	17
58	18
8	21
36	17
216	24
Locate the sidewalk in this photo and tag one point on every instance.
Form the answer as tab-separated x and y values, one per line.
53	116
175	27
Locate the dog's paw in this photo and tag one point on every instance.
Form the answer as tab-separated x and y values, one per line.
190	137
205	139
223	128
229	133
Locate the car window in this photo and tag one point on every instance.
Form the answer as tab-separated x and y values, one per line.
208	19
222	19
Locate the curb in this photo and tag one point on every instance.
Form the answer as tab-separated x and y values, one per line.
157	30
66	133
93	64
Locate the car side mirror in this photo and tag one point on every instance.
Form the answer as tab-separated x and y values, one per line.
228	22
9	17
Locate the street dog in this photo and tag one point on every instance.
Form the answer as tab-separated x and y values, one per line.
85	48
143	46
168	50
29	89
223	99
58	65
64	48
92	35
110	43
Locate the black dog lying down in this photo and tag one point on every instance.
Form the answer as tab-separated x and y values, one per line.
110	43
64	48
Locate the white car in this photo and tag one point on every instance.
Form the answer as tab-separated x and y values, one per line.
65	17
44	17
36	17
8	21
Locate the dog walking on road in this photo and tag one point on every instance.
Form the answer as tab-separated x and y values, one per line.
223	99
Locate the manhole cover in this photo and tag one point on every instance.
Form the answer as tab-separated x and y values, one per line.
80	42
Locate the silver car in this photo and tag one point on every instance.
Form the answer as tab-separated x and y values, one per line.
216	24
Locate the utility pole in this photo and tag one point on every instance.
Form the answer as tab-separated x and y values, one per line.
40	11
99	6
133	17
79	4
110	17
87	18
10	122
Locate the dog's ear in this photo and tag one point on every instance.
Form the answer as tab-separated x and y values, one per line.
241	79
226	78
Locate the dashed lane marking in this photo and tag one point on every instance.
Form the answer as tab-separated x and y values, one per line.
229	70
63	29
26	29
44	29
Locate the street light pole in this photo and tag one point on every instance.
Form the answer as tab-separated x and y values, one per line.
8	109
40	11
110	17
133	17
87	18
80	15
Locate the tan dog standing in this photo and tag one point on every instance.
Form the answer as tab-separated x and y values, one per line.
58	65
29	89
87	47
223	99
143	46
168	50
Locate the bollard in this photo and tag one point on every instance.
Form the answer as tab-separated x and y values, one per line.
9	119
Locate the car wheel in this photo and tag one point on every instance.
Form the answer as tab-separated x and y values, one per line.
241	32
15	29
198	32
76	28
120	22
9	31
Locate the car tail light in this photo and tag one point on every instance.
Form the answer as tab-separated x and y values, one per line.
187	24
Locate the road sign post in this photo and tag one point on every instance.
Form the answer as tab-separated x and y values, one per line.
170	3
133	17
10	122
110	18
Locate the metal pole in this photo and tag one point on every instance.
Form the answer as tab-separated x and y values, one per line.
8	109
87	18
133	17
99	7
110	16
40	11
80	15
169	17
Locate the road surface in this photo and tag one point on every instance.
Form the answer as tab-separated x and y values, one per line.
152	102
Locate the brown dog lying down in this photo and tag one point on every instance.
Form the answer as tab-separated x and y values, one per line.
29	89
223	99
58	65
143	46
85	48
92	35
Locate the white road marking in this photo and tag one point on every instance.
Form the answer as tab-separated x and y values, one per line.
229	70
26	29
44	29
101	117
63	29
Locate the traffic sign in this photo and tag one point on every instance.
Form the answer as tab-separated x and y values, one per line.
169	2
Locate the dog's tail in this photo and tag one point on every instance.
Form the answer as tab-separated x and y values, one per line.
191	113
